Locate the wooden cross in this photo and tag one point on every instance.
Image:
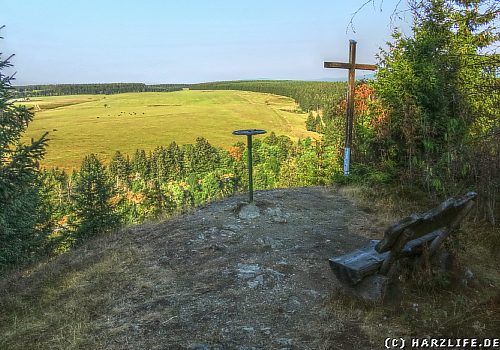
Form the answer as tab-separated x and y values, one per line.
352	66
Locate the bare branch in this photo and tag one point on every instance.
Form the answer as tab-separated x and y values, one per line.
396	13
351	22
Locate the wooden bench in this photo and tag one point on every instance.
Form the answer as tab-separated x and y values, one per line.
369	272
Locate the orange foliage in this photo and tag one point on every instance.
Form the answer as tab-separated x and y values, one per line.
362	96
236	152
136	198
115	200
63	221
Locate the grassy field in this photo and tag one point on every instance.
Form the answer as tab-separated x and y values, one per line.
102	124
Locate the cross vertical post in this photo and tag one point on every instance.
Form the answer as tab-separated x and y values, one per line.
351	84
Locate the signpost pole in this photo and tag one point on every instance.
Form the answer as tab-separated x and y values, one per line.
249	134
250	168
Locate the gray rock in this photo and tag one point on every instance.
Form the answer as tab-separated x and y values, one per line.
269	242
277	215
258	281
312	293
468	277
284	341
199	347
275	273
227	233
266	330
248	329
248	271
231	227
249	211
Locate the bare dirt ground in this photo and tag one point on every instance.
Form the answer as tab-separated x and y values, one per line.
210	279
203	280
221	282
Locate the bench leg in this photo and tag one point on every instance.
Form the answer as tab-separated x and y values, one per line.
376	288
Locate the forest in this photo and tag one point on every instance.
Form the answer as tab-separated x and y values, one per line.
28	91
428	123
311	95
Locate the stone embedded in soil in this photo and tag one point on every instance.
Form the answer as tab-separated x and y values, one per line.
231	227
257	281
312	293
266	330
247	271
249	211
200	347
269	242
277	215
275	273
248	329
284	341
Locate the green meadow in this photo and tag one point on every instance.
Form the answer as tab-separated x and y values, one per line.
82	124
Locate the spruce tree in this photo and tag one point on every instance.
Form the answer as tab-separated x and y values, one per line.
22	215
140	164
433	86
205	157
175	160
311	122
93	192
119	167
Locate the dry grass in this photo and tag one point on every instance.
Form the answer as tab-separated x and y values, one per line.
432	304
57	304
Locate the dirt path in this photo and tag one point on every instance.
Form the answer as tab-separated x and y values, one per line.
220	282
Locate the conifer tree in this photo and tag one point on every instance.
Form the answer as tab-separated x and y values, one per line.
175	162
119	167
22	216
433	87
93	192
205	157
311	122
140	164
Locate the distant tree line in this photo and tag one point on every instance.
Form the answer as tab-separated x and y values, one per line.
310	95
91	89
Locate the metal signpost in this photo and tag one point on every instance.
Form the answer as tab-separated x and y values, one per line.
351	66
249	134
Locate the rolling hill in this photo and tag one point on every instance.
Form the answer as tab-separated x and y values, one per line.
82	124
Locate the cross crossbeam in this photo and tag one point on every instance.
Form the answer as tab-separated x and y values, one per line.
351	66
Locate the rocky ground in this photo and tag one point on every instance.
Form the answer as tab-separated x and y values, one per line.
231	277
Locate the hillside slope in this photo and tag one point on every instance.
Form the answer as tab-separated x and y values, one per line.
210	280
203	280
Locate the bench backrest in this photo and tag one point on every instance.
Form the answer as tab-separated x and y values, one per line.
442	219
423	223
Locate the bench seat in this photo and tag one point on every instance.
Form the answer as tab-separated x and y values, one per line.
368	271
351	268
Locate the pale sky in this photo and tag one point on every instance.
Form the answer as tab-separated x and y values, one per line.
188	41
